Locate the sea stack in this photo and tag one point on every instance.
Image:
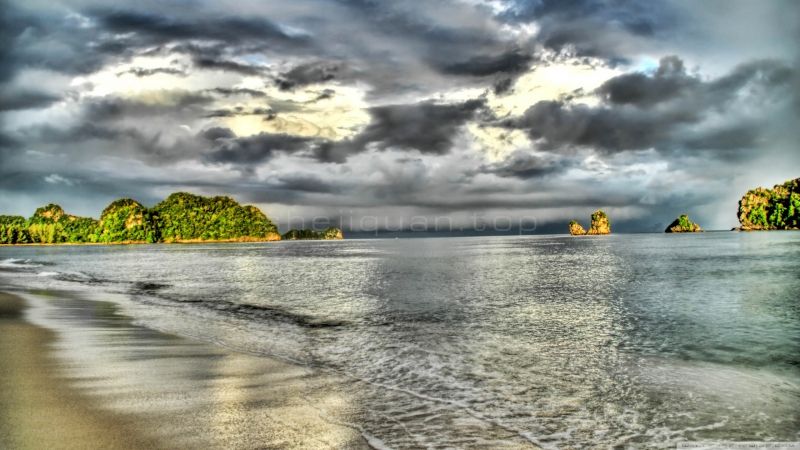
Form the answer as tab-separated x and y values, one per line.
683	225
576	229
600	223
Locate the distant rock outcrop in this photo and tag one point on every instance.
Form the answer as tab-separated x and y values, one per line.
600	223
331	233
683	225
771	209
576	229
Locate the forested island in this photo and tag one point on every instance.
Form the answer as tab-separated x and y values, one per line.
683	225
181	218
771	209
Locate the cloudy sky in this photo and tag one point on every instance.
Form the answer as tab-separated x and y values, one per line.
539	111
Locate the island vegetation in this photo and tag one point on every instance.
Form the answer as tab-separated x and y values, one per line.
599	225
683	225
771	209
181	217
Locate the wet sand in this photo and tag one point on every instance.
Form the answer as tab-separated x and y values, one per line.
37	408
76	374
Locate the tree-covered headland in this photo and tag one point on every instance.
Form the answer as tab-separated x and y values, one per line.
181	217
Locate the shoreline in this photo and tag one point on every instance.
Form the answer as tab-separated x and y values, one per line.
186	241
94	379
422	236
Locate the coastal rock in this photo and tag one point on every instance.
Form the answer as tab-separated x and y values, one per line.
683	225
600	223
576	229
771	209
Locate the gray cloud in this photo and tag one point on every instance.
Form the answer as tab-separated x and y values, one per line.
427	127
143	72
669	81
601	28
665	110
159	29
525	165
249	150
17	99
511	62
310	73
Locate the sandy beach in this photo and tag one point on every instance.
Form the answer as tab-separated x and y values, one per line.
129	387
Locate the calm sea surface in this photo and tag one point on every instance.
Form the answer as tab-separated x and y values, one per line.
598	341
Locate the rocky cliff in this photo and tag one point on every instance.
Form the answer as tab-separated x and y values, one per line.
600	223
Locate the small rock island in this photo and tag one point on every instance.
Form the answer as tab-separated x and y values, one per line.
180	218
600	225
683	225
576	229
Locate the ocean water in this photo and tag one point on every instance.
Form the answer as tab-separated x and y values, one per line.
623	340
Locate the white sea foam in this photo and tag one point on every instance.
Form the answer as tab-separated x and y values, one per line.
48	274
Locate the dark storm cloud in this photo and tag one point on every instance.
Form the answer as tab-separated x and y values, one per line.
241	111
250	150
427	127
158	29
305	183
227	65
511	62
111	108
600	28
215	133
324	95
11	100
47	42
659	110
502	86
227	92
524	165
310	73
669	81
11	26
143	72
